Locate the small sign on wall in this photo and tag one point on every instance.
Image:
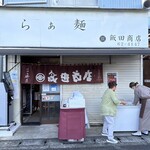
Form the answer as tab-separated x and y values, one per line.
112	76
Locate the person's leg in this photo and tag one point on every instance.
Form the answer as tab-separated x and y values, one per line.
138	133
105	127
110	125
144	123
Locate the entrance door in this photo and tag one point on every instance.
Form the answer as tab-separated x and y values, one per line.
50	112
40	106
30	104
36	110
50	105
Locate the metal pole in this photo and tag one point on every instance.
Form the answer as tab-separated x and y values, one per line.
1	68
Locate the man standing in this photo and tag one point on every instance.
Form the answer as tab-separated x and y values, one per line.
108	110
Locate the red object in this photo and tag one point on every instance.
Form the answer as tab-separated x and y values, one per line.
71	124
43	74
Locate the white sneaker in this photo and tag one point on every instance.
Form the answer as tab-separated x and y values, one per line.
138	133
104	134
113	141
145	132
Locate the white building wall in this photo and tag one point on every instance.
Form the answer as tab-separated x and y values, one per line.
15	112
128	69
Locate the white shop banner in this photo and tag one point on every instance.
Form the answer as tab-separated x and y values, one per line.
26	27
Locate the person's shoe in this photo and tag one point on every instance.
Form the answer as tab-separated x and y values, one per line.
138	133
104	134
145	132
113	141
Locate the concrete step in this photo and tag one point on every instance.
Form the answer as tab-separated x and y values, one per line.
8	131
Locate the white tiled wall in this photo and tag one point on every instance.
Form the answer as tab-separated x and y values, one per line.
128	69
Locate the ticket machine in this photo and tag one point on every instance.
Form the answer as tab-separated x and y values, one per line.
6	99
3	105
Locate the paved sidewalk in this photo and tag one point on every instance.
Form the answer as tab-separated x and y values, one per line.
46	137
89	143
50	132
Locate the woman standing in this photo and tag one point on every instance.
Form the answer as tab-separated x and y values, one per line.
108	111
142	95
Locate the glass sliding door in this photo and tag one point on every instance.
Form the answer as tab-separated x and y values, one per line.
50	105
31	98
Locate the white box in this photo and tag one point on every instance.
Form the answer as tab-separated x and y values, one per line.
127	118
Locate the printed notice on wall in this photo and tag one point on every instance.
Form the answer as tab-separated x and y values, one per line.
14	78
111	77
45	88
53	87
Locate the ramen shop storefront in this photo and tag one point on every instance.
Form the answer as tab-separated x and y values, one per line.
76	51
44	83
